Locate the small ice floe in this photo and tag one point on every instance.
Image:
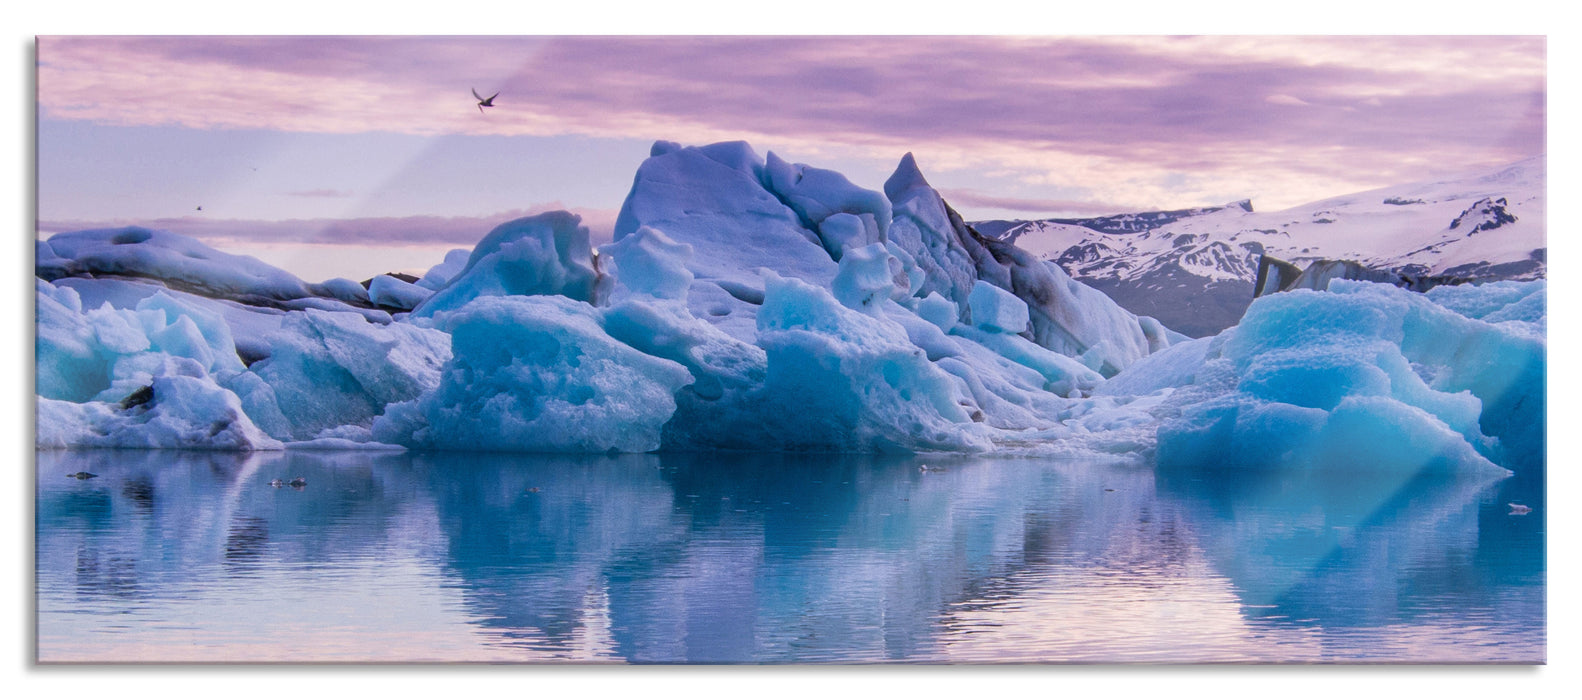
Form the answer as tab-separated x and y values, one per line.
927	468
1519	509
81	475
296	483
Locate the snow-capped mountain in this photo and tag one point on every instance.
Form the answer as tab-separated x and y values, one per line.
1194	269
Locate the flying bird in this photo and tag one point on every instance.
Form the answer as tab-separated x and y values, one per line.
484	102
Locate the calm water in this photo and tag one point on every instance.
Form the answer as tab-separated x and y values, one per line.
181	556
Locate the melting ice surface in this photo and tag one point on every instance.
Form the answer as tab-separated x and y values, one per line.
194	556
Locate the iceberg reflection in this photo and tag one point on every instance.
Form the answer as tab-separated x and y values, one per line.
767	558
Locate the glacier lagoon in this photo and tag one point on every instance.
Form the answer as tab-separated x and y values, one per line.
1063	480
186	556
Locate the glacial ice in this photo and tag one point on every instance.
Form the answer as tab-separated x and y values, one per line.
174	258
995	310
537	374
388	291
713	198
328	369
1361	376
856	381
440	275
649	263
544	254
755	304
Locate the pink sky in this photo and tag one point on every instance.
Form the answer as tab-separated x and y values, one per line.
1006	126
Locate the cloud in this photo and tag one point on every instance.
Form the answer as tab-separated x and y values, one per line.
460	231
327	193
1285	100
1137	106
1048	207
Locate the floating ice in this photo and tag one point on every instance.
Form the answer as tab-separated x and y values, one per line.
867	278
140	252
721	319
995	310
544	254
180	413
938	310
332	369
856	382
648	262
537	374
1362	376
388	291
844	215
440	275
713	198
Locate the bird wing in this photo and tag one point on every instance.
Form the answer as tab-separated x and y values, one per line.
475	94
491	97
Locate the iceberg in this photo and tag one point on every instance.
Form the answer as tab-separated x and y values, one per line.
752	303
326	370
537	374
1362	376
544	254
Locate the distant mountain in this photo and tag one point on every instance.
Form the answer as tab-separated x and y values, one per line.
1193	269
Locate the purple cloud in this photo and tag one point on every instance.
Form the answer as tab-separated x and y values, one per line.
1047	207
1269	112
327	193
460	231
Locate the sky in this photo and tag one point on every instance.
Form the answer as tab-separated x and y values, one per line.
30	200
350	156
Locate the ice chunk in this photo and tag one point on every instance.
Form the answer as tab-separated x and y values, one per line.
1072	318
1169	368
330	369
648	262
722	408
109	352
944	251
213	344
1062	375
995	310
1364	375
1495	302
857	382
69	364
248	326
843	232
179	260
544	254
867	278
345	290
713	199
388	291
1064	315
818	195
440	275
537	374
181	412
938	310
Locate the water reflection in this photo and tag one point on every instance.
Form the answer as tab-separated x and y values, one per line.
767	558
